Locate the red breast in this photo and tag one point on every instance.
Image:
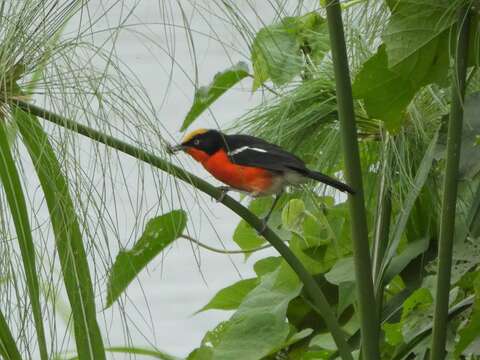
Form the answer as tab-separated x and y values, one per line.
246	178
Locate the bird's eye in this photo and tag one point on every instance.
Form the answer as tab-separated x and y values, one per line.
196	142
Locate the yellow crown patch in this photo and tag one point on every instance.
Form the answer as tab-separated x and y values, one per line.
192	134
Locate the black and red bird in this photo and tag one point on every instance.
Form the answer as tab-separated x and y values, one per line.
249	164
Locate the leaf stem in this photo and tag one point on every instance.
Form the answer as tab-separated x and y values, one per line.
223	251
363	271
447	225
310	285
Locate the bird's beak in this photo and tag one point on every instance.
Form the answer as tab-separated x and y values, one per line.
176	148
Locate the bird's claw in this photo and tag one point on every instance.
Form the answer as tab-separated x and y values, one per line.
224	190
264	227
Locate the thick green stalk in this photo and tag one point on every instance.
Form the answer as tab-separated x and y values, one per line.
310	285
10	179
68	236
363	271
8	346
447	225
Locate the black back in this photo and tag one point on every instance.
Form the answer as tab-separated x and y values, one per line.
274	158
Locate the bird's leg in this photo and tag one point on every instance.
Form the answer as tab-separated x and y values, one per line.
224	190
265	219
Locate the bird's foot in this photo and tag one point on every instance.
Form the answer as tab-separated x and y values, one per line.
264	226
224	190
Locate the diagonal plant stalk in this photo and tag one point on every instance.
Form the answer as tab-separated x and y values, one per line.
363	271
450	187
10	180
318	299
8	346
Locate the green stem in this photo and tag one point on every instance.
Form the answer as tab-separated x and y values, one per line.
365	295
447	225
310	285
223	251
382	229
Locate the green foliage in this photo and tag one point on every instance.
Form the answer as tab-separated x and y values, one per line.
207	95
376	84
415	53
231	297
278	50
471	331
158	234
246	237
258	327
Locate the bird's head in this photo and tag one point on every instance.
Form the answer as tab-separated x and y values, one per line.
201	143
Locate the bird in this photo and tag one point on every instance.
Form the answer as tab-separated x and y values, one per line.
250	164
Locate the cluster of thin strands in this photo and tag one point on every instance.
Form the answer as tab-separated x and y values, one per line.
69	65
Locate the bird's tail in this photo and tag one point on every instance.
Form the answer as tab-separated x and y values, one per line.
329	181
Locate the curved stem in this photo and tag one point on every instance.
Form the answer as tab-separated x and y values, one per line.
223	251
318	299
363	270
447	225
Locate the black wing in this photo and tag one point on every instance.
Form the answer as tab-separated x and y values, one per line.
251	151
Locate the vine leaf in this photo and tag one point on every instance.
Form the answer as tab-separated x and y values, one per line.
207	95
230	297
414	54
159	232
413	27
278	50
258	327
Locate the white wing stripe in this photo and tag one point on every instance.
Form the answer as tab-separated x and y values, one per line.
243	148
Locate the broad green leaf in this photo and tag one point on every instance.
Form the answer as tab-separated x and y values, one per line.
206	95
388	89
10	180
292	214
393	333
471	331
245	236
346	296
277	49
231	297
159	232
414	54
276	54
324	341
266	265
399	262
259	325
68	237
386	94
413	27
417	313
314	37
342	271
298	336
